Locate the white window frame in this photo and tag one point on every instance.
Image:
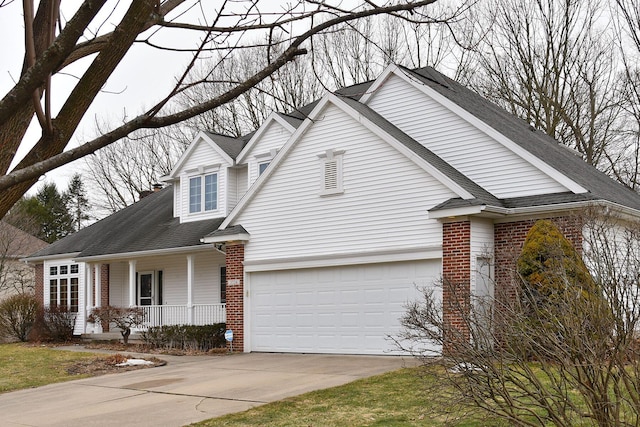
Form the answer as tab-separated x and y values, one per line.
264	159
58	276
331	172
203	173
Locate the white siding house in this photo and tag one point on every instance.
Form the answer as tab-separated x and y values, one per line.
312	233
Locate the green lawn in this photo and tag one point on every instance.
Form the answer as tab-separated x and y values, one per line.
25	366
394	399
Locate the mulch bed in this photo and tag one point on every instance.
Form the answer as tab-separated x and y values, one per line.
107	364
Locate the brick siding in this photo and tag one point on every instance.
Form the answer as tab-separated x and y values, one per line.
456	275
235	293
39	284
104	291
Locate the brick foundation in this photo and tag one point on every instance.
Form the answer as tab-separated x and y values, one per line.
235	293
456	275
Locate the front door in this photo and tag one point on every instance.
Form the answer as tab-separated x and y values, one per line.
145	288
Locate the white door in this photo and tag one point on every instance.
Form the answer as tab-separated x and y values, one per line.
346	310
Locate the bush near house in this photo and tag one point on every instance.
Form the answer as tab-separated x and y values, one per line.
562	349
124	318
186	337
54	324
17	316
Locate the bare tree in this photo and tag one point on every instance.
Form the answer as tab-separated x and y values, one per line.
119	173
552	63
565	354
627	24
53	43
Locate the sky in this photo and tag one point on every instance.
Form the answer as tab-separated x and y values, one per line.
142	77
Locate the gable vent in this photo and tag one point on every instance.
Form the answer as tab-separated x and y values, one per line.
331	172
331	175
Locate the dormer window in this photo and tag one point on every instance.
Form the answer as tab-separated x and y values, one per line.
264	160
203	193
331	172
262	167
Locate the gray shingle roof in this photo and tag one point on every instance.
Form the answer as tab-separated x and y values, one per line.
146	225
229	144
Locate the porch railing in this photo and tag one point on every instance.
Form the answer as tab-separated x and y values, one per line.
197	314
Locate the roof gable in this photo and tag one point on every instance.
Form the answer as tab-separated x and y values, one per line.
437	80
274	119
206	139
416	152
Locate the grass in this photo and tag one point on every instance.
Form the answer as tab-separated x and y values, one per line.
23	366
397	398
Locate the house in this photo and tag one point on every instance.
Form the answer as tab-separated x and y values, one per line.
312	233
16	276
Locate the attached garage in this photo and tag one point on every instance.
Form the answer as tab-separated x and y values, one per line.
347	310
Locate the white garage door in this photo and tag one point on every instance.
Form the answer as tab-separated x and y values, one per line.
348	310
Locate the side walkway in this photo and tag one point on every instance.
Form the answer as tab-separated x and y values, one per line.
187	389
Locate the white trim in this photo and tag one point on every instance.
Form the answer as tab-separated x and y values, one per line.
238	237
507	214
545	168
201	136
340	259
291	142
261	130
141	254
70	255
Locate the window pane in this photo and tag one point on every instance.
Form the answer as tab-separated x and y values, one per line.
53	271
63	293
195	191
64	269
53	293
73	304
74	268
262	167
223	285
211	192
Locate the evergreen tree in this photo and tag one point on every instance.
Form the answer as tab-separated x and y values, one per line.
48	209
77	202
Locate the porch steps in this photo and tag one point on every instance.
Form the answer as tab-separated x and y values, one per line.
111	336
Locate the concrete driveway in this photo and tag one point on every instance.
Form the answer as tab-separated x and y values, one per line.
186	390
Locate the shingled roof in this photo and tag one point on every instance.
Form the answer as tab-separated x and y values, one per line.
144	226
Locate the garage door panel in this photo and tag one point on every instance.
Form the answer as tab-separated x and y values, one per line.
349	309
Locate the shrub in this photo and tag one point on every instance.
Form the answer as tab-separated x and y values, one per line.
186	337
124	318
18	315
53	324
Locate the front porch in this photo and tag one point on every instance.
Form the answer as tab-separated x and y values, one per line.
196	314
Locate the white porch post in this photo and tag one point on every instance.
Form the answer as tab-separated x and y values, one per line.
132	283
190	276
98	283
88	274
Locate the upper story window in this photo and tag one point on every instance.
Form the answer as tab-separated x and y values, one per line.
331	172
203	193
264	160
262	167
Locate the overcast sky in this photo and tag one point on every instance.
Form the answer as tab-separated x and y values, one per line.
142	77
